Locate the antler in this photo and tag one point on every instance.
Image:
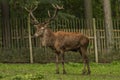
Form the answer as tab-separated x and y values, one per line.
34	20
57	8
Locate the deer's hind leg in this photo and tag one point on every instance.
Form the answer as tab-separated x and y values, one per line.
63	61
57	62
83	52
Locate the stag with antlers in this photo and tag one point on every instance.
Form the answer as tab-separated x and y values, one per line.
61	42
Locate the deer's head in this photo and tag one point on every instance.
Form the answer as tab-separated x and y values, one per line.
41	27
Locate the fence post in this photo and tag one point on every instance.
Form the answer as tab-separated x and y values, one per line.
30	42
95	41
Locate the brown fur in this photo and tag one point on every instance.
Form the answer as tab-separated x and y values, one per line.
60	42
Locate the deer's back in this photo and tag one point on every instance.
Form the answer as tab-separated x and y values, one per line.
70	40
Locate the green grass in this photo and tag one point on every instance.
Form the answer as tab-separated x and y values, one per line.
47	72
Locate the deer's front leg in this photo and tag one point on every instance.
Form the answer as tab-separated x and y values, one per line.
57	62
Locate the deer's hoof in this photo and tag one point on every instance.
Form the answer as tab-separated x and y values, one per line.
64	72
88	73
57	72
83	72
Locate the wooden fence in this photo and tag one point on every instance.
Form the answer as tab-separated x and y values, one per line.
19	39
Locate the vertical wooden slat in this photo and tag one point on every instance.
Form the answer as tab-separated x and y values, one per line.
70	24
73	24
98	36
23	31
78	25
17	33
114	32
101	35
66	27
0	33
14	37
61	23
95	41
14	20
30	43
11	32
118	33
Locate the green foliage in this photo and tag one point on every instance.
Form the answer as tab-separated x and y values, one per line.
18	77
1	76
97	9
28	77
17	6
12	55
115	8
72	8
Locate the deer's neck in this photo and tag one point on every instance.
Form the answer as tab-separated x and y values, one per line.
48	38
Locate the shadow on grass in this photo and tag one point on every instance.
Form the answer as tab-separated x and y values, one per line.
91	75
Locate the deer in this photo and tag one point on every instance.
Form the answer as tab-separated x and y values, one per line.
60	41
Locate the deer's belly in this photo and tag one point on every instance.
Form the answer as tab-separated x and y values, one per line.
72	48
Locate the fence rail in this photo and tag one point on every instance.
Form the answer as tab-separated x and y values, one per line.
18	38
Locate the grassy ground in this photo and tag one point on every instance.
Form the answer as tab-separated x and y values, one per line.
47	72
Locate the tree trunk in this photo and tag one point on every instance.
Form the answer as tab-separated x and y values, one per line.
88	13
108	28
6	38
